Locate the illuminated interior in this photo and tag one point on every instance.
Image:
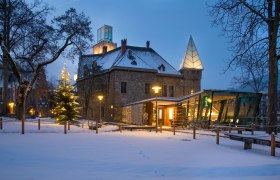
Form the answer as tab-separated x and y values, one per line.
98	48
12	107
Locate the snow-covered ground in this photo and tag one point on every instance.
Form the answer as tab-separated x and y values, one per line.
82	154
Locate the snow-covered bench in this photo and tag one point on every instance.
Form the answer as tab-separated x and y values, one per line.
235	128
261	140
135	127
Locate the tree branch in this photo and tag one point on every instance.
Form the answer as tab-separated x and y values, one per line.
254	11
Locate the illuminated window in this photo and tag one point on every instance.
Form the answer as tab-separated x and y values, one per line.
170	113
160	113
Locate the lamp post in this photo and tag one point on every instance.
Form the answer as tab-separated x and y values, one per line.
156	90
100	98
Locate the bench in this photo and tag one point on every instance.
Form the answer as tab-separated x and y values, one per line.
249	140
235	128
131	127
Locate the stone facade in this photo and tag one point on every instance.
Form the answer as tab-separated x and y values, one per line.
126	75
109	84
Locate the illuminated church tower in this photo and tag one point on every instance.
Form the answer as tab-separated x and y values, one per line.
191	68
104	40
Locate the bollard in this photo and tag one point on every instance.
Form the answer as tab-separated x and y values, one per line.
96	127
1	123
174	129
82	125
120	128
272	144
39	124
218	136
193	132
68	125
160	128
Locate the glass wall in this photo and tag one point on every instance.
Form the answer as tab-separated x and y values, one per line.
222	107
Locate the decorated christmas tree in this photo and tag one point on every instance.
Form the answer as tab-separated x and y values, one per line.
66	107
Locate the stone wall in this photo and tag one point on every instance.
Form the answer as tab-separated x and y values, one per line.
109	84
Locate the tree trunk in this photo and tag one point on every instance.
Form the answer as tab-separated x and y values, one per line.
5	72
21	111
273	26
5	94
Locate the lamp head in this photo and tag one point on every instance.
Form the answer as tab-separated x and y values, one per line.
100	97
156	89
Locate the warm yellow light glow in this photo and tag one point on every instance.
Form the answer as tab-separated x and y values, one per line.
209	100
75	77
32	111
192	91
170	114
160	113
156	89
98	48
100	97
12	107
112	106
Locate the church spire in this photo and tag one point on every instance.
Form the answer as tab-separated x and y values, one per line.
191	59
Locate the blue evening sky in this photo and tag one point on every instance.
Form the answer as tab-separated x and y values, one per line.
168	25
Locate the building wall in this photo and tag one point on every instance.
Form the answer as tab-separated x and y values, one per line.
109	84
192	80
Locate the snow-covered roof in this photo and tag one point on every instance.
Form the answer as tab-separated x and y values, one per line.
134	57
191	59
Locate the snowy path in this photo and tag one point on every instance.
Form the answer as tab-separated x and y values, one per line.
131	155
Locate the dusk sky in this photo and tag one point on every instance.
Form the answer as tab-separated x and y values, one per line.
168	25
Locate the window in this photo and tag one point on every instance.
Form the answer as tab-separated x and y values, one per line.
123	87
171	91
164	90
147	88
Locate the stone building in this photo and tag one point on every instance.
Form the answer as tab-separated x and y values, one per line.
127	74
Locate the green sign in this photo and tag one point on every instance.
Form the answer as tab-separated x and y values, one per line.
206	101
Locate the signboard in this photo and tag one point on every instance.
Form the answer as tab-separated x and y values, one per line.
206	101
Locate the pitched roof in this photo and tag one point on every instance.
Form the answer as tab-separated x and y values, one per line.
191	59
145	59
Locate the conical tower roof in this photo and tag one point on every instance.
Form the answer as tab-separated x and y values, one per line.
191	59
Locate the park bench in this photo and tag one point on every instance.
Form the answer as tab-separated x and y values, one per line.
261	140
235	128
135	127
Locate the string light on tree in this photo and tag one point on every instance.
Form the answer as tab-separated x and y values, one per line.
66	106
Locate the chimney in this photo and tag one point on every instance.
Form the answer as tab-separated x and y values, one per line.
148	44
123	46
104	49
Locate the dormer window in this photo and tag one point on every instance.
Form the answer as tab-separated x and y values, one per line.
161	67
131	57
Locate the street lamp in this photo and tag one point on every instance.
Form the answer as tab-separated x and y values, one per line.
100	98
156	90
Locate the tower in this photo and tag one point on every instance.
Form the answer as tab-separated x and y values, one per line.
104	40
191	68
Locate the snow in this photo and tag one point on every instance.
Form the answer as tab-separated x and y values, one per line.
83	154
145	58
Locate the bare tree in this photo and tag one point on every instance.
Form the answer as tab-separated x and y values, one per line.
14	15
253	24
42	43
254	72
